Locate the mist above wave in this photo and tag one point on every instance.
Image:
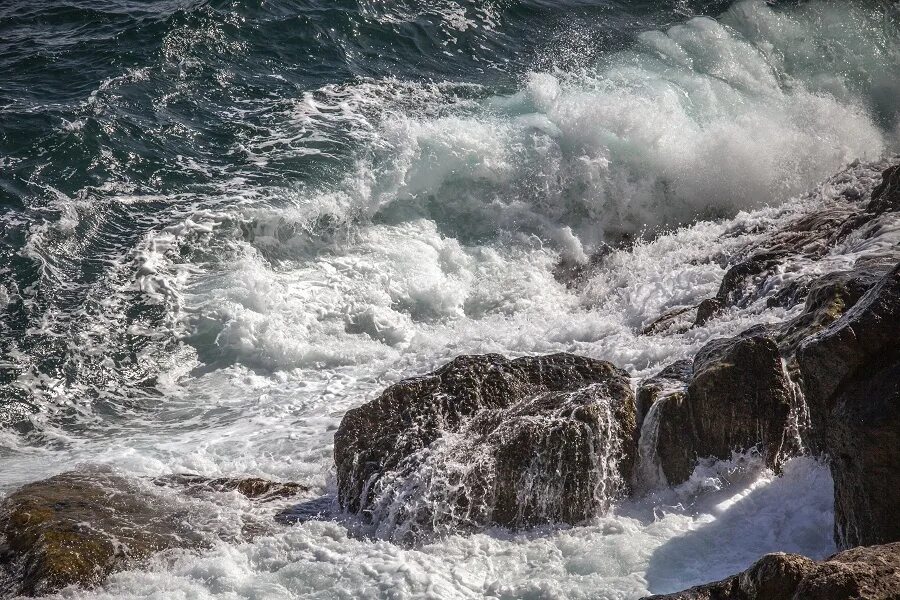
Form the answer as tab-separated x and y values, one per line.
458	209
702	120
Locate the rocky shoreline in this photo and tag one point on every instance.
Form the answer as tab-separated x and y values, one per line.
487	441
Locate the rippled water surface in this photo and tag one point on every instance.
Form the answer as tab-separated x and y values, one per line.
222	224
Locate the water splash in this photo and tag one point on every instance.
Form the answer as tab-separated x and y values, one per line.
798	423
523	469
649	473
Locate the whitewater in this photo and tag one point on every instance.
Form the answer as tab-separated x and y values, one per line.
361	231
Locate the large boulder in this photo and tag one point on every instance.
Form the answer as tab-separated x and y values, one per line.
737	397
486	440
851	374
865	573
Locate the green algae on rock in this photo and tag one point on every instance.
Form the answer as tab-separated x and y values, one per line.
78	527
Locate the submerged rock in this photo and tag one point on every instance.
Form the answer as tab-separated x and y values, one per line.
78	527
254	488
851	373
865	573
676	320
486	440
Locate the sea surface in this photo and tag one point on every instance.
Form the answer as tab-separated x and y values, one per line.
225	223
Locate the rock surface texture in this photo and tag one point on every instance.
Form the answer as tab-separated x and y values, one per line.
826	380
254	488
78	527
851	372
665	425
485	440
866	573
736	397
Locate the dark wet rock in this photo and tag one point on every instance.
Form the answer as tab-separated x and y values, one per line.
743	280
749	391
886	196
813	234
487	440
790	295
672	379
770	268
664	425
708	309
756	271
753	273
851	374
254	488
676	320
825	381
864	573
737	399
827	298
78	527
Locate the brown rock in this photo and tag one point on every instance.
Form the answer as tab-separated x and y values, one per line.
756	270
676	320
78	527
254	488
738	399
665	426
829	297
742	281
487	440
708	309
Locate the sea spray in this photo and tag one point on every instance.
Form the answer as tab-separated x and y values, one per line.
798	422
391	189
484	441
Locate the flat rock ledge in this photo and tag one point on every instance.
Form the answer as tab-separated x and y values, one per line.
78	527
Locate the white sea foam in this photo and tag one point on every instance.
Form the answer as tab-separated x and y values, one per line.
286	307
722	520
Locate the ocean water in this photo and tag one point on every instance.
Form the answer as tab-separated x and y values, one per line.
224	223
